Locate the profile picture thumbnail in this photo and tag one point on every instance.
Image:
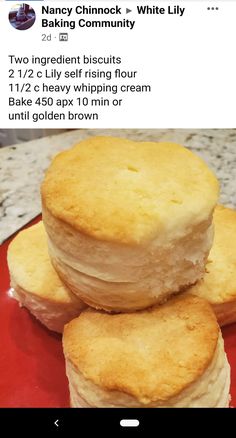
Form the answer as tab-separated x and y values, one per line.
22	16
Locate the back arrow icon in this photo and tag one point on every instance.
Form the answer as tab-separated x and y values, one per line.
56	423
128	10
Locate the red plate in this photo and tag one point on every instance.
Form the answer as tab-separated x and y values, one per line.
32	369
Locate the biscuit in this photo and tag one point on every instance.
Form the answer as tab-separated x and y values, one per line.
218	285
129	223
35	283
167	356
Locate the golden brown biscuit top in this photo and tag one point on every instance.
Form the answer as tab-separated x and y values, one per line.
219	282
31	268
129	192
151	355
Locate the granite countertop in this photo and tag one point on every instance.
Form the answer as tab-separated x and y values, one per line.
22	166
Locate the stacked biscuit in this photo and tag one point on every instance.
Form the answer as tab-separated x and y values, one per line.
35	283
128	226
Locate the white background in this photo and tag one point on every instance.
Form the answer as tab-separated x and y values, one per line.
190	62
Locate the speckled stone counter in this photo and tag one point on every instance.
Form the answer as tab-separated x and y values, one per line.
22	166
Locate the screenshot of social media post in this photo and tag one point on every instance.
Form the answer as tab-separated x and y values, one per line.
117	208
